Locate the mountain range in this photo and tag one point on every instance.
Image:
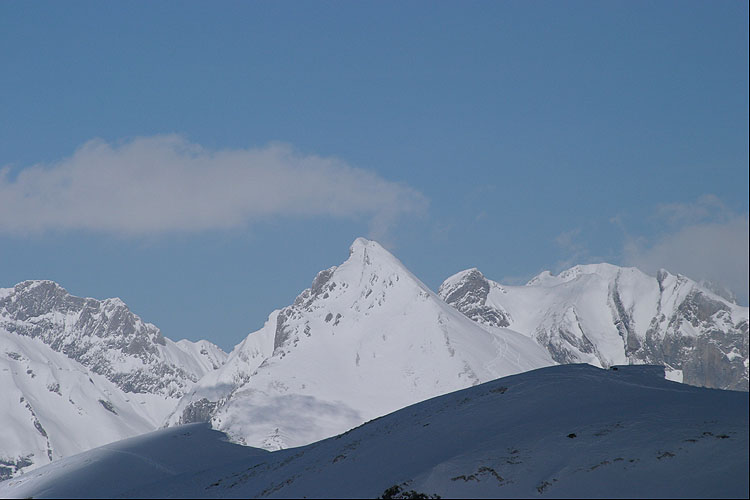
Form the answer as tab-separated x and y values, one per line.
603	315
366	339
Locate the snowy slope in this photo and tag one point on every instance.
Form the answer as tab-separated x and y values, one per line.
604	315
78	373
52	406
138	460
366	339
563	431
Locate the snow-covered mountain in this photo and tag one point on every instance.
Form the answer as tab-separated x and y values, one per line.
571	431
604	315
77	373
366	339
106	337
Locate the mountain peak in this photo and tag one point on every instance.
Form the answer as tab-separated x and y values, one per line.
360	243
367	337
367	251
369	260
472	274
468	292
28	285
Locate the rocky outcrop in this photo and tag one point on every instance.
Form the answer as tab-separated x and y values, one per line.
104	336
469	295
198	411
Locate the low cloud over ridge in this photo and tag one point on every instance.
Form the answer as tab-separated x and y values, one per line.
704	240
166	184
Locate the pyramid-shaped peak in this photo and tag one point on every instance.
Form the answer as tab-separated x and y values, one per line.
369	252
361	245
462	282
466	274
369	269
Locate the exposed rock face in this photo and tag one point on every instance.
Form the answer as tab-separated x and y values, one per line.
470	296
9	467
104	336
604	315
198	411
305	303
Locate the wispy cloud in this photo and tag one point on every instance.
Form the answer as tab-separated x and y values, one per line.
706	208
165	184
704	240
574	250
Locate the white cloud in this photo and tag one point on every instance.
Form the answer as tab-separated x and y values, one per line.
715	251
575	249
704	240
166	184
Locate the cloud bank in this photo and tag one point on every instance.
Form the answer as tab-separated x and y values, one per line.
164	184
703	240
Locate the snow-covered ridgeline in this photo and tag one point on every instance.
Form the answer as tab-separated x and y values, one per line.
106	337
604	314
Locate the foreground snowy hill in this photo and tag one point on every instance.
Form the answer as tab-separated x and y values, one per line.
604	315
366	339
78	373
562	431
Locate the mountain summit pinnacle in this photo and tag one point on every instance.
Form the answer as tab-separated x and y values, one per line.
359	244
368	337
369	251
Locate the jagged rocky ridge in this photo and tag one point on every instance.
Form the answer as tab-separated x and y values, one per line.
604	315
78	373
106	337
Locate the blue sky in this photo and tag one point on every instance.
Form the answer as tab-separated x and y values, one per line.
203	160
